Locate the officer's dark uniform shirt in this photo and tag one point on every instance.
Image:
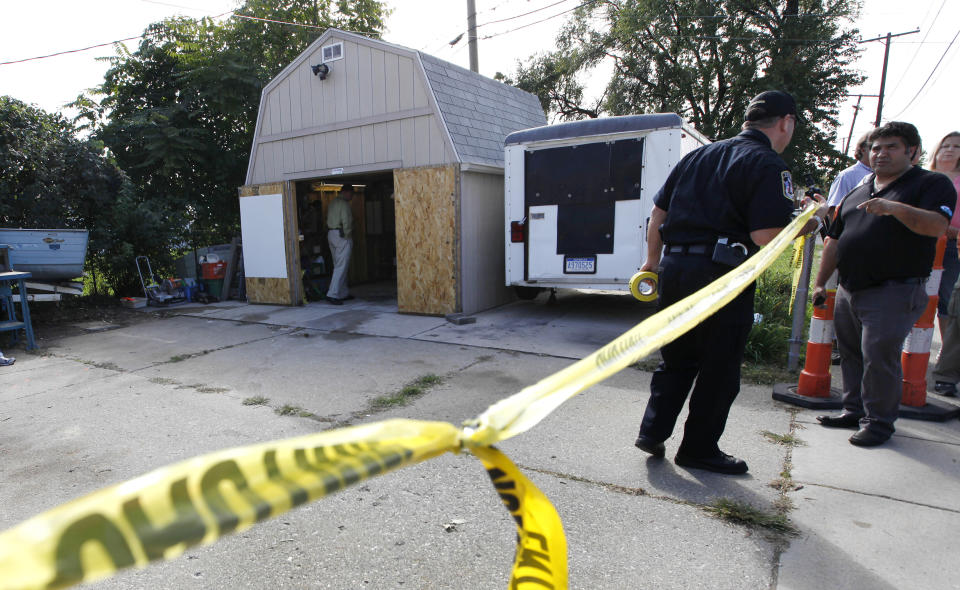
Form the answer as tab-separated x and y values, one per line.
877	248
726	189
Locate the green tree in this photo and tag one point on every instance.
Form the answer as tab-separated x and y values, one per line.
705	59
180	111
50	178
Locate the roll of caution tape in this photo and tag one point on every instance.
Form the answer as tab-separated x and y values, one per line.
644	285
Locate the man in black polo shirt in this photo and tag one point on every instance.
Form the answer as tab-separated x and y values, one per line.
718	206
882	241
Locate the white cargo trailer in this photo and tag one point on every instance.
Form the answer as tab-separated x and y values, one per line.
578	196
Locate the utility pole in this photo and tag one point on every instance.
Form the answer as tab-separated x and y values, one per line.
472	35
883	76
856	111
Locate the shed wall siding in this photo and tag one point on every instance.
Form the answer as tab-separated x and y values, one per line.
481	239
372	109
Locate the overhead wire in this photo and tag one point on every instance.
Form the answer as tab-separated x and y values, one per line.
920	45
924	85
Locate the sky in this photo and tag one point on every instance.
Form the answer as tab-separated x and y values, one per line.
915	90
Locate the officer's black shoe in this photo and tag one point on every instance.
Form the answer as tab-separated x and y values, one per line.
720	463
334	300
945	388
868	438
844	420
657	449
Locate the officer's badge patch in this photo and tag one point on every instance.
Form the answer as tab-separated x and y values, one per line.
787	184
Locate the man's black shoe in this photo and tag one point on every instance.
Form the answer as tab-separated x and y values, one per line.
334	300
844	420
657	449
945	388
868	438
721	463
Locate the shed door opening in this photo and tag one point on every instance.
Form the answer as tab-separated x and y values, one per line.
373	263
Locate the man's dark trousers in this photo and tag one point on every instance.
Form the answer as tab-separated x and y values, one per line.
871	325
710	354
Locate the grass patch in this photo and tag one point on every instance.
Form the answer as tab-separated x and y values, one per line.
743	513
787	440
288	410
212	389
178	358
163	381
408	393
257	400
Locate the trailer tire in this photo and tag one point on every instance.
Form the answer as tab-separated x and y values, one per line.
527	293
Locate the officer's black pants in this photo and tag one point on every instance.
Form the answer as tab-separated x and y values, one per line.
710	354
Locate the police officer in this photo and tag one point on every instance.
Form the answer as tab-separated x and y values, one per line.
718	206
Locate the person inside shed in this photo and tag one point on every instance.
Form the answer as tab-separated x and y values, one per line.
340	238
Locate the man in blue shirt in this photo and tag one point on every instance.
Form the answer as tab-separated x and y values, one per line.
848	180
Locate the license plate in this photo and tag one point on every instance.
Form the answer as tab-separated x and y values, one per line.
582	265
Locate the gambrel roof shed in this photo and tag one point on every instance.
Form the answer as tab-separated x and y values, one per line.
381	106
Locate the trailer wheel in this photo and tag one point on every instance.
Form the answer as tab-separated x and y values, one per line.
527	293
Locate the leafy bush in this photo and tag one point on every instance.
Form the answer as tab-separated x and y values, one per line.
769	341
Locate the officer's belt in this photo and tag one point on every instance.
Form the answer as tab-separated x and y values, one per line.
690	249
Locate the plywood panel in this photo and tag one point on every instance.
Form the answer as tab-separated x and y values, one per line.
279	201
268	291
427	247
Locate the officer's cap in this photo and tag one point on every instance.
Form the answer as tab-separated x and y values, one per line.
772	103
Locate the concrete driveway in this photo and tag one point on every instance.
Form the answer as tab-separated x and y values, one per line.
99	408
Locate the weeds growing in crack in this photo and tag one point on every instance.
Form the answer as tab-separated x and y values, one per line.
407	394
787	440
289	410
257	400
744	513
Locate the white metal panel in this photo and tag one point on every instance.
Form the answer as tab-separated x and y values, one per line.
296	109
408	139
354	155
391	65
394	140
438	147
298	155
421	126
261	229
307	105
283	93
513	210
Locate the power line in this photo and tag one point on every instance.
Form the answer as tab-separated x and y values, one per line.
521	15
917	50
17	61
928	77
587	3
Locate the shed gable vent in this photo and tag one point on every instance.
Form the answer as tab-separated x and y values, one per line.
333	52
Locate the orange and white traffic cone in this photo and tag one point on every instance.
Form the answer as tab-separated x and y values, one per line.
815	378
813	387
915	357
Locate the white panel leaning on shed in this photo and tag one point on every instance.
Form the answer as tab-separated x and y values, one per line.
261	229
578	197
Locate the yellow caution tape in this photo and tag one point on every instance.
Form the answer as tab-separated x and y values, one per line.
522	411
541	558
797	262
159	515
643	286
